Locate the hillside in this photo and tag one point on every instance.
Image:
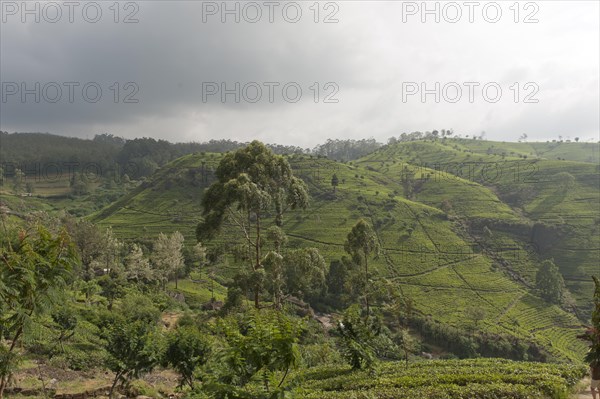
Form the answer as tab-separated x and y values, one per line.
449	243
557	202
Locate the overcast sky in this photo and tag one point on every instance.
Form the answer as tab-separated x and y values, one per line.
366	71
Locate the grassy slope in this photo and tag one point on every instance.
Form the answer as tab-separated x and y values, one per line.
169	202
442	261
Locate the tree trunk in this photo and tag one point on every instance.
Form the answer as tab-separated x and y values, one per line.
257	240
4	379
112	388
278	211
367	285
190	382
212	287
257	265
265	380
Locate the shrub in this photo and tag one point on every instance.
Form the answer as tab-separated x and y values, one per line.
186	349
77	359
141	388
320	355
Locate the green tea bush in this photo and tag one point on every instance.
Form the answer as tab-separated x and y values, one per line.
139	387
450	379
78	359
320	355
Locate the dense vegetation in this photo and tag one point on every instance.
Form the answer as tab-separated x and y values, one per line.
249	274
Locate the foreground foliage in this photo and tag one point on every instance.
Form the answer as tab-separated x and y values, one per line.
33	267
255	347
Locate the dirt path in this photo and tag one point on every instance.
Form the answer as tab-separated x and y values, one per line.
585	392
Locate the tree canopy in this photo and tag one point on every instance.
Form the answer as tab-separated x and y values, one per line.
252	182
550	282
360	244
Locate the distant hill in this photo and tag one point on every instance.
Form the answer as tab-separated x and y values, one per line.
460	226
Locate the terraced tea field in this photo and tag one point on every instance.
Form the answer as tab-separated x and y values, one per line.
470	379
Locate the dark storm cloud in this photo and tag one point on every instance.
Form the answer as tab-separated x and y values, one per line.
368	55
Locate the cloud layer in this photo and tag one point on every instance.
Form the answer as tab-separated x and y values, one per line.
360	70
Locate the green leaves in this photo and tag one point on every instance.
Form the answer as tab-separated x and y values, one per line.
550	282
252	183
66	320
356	338
186	349
251	179
592	334
9	360
361	240
133	342
304	271
260	344
132	347
33	267
297	194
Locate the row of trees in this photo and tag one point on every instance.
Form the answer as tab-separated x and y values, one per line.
415	136
346	150
43	153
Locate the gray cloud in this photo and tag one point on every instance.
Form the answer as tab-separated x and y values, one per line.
368	54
